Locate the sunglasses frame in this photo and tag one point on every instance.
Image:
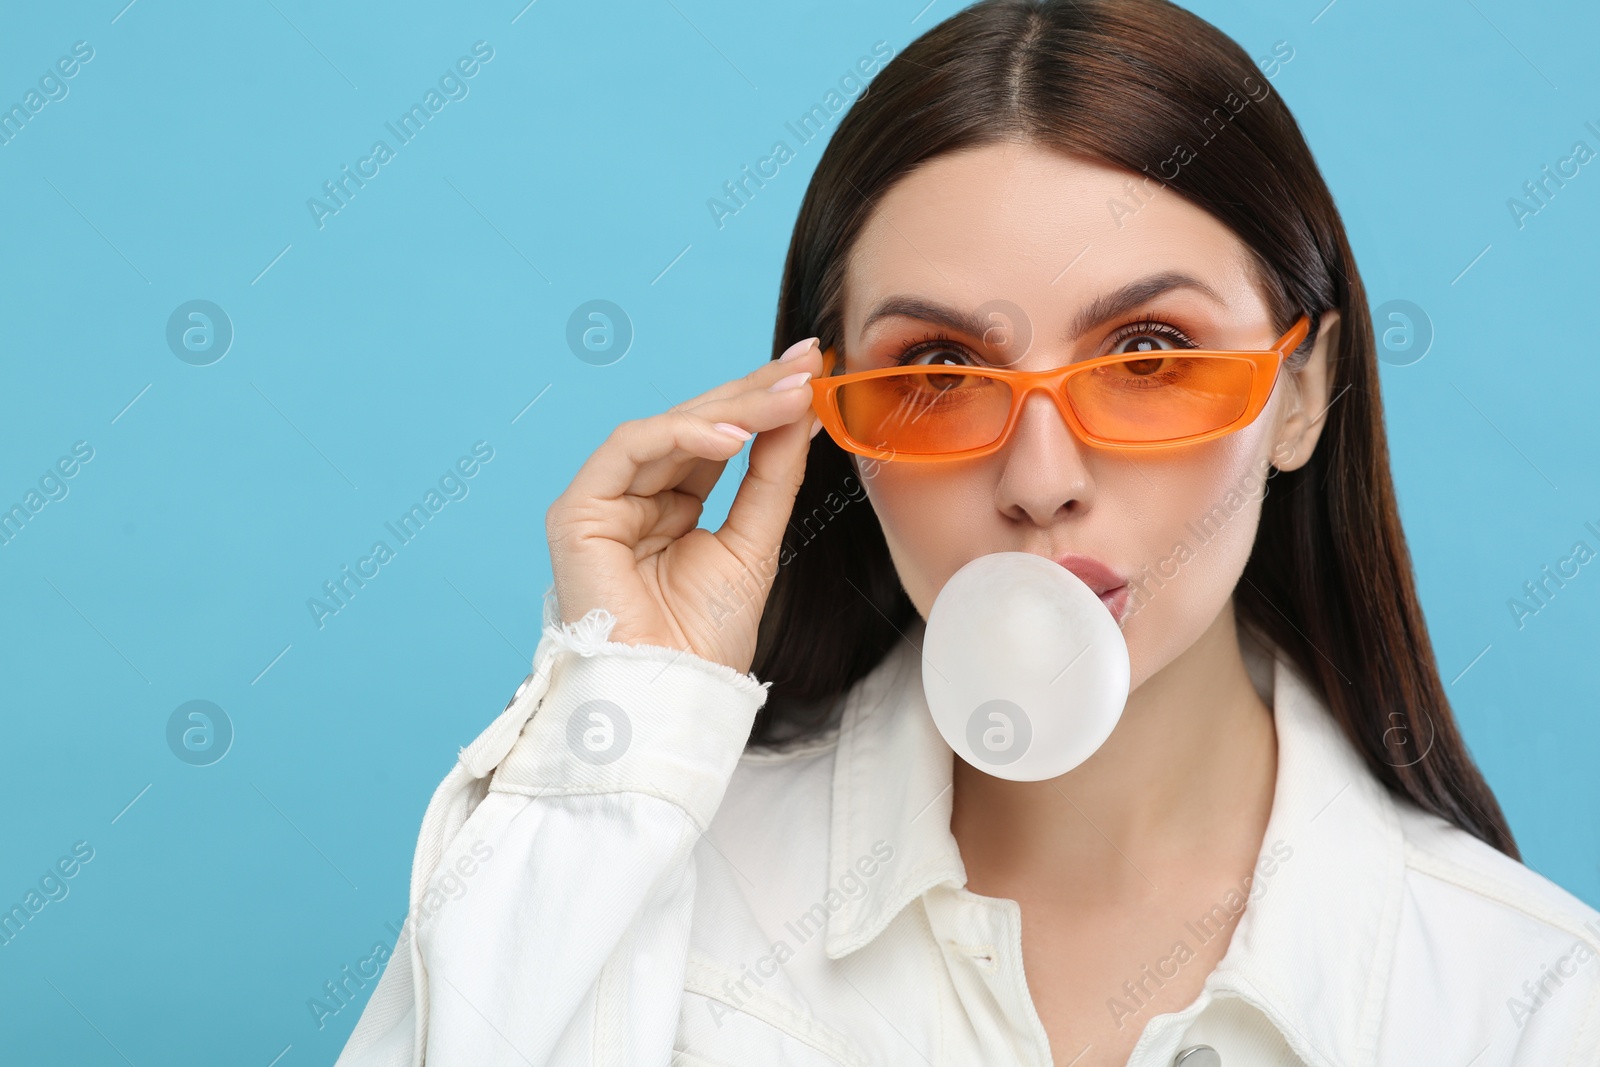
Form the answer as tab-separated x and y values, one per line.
1264	367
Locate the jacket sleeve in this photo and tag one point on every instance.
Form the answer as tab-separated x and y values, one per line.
553	885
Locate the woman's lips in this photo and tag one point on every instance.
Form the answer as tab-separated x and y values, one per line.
1116	601
1108	585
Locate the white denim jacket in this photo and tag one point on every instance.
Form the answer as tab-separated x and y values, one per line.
608	877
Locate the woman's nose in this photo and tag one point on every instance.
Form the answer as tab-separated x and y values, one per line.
1044	465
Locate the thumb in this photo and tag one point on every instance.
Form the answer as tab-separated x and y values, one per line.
764	501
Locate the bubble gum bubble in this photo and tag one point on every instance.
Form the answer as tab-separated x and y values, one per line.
1024	669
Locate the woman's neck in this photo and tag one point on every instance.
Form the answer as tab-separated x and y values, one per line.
1186	778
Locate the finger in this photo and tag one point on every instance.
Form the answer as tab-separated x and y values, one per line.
668	517
696	479
808	358
765	498
701	478
650	454
637	525
753	411
644	456
729	403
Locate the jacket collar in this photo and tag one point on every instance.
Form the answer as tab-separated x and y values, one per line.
1334	899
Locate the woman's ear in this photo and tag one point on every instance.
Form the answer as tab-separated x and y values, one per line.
1302	423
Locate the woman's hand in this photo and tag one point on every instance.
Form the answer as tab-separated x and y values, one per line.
624	535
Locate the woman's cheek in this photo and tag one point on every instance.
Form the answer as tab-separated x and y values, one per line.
911	561
1179	592
1195	524
924	560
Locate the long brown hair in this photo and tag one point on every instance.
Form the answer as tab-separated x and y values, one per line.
1127	82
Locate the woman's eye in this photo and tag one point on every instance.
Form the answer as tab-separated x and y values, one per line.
1143	366
931	354
1147	340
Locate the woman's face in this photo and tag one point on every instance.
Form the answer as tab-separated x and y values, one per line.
1029	241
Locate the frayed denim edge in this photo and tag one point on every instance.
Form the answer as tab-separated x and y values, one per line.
591	635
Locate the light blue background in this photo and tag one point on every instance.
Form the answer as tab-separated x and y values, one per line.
429	312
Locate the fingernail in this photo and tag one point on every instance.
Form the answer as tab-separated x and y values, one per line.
796	350
733	431
793	381
815	429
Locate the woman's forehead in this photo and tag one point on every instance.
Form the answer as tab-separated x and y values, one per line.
1035	227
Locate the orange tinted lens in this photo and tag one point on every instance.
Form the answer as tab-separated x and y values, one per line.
1159	396
918	413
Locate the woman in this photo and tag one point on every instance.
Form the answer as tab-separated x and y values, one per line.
716	824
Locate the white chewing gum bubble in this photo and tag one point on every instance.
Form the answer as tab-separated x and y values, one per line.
1024	669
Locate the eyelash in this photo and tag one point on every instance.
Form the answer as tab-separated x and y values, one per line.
911	350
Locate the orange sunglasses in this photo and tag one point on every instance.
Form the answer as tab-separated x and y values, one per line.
1127	401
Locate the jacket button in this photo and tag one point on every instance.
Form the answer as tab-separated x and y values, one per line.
520	689
1198	1056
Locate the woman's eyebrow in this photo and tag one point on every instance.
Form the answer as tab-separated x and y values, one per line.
1107	306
